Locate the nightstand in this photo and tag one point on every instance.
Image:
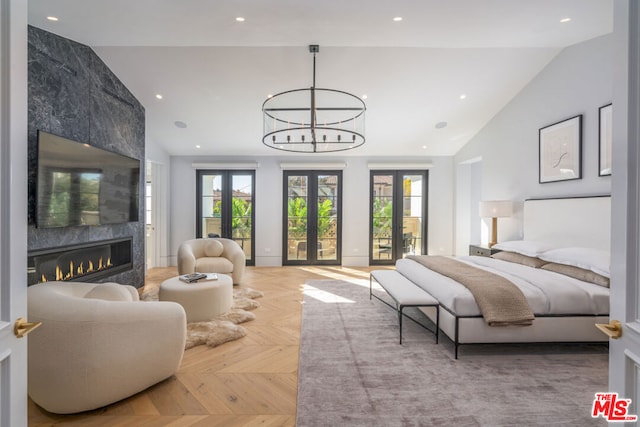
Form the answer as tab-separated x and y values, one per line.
479	250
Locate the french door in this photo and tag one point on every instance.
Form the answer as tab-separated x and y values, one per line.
312	218
225	207
398	215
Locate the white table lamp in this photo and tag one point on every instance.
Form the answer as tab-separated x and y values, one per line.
495	209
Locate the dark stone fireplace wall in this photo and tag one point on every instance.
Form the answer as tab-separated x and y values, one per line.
73	94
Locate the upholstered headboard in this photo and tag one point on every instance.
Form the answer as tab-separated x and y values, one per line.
576	221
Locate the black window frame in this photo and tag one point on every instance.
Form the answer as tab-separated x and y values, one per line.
227	196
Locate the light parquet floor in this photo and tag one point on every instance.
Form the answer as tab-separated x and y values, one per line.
249	382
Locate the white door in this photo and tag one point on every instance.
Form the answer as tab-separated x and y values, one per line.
624	352
149	215
155	214
13	210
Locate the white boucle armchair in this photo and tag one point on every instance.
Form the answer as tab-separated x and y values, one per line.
98	344
212	255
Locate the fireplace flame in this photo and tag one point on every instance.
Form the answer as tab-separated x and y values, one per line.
79	270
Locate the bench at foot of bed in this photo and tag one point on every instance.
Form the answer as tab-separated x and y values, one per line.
405	294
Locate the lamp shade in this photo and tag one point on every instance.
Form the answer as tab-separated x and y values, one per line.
496	208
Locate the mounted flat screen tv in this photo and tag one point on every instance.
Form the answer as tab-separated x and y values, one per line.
79	184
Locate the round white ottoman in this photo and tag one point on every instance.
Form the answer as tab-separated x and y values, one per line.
201	300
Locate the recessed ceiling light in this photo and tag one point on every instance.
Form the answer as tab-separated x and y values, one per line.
463	96
158	96
180	124
397	18
563	20
441	125
270	95
424	147
240	19
364	96
197	146
52	18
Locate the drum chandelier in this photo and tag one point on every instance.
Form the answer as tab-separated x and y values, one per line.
313	120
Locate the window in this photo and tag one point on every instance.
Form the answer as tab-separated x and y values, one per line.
226	207
312	217
398	213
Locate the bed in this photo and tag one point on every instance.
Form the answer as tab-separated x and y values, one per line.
572	235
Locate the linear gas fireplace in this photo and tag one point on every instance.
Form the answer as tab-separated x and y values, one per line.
86	262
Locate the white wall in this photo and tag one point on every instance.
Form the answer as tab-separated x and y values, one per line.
578	81
468	184
268	193
441	191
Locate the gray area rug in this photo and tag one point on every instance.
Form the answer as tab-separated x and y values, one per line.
353	372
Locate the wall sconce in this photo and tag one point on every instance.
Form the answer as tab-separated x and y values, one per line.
495	209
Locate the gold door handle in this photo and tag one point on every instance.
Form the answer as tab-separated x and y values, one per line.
22	327
613	329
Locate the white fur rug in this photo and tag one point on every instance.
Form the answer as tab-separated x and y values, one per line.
223	328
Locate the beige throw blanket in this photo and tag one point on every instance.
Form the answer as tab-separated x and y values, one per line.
501	302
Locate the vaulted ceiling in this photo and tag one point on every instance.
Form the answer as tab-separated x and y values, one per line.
454	61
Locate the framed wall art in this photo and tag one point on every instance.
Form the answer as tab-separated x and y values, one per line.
560	150
605	128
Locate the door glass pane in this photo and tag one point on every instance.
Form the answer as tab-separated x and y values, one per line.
147	203
241	208
382	212
327	218
148	217
211	205
297	198
412	206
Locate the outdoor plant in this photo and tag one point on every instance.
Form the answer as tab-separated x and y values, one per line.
297	214
382	217
240	216
325	220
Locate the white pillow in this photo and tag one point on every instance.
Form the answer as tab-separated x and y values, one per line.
213	248
524	247
590	259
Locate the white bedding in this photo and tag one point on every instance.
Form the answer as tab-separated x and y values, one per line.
548	293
